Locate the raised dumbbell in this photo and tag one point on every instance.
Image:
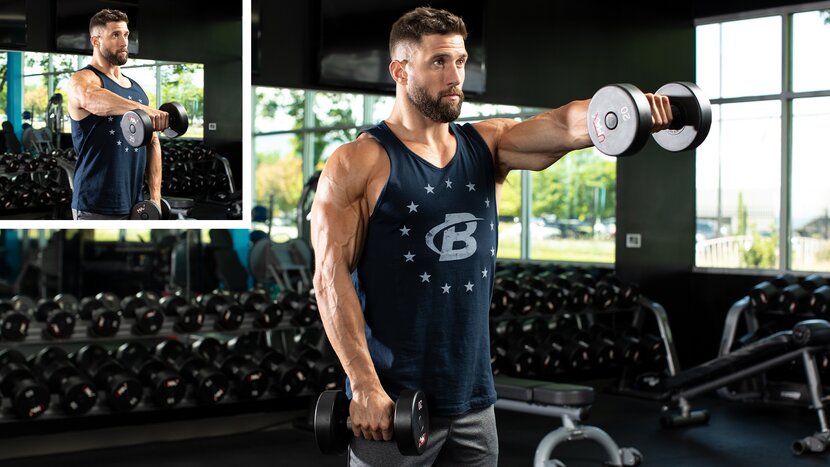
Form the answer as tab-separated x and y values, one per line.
76	392
14	324
229	315
619	118
189	318
333	425
101	321
268	314
210	385
148	319
166	384
137	127
249	380
122	390
29	398
59	323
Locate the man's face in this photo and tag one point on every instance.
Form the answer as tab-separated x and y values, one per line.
112	42
436	75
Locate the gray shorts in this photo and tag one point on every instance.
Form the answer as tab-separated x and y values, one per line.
468	440
93	216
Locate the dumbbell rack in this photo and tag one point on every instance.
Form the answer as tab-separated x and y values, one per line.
39	176
53	420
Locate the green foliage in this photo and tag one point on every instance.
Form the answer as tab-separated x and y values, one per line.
582	185
763	254
280	177
511	195
742	215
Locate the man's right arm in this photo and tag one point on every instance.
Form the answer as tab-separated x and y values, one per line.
339	218
87	96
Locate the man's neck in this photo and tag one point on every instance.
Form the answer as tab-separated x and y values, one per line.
105	67
415	126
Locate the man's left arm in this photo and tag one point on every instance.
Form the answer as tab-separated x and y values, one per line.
153	171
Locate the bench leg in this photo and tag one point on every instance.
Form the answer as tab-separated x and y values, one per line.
570	432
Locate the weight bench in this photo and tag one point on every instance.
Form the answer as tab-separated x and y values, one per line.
570	403
802	342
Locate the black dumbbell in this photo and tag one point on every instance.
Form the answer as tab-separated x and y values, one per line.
166	384
249	380
325	371
333	425
58	323
619	118
210	385
229	315
303	306
137	127
522	358
268	314
102	322
76	392
765	295
148	319
820	301
14	324
189	318
149	210
603	346
794	299
123	391
29	398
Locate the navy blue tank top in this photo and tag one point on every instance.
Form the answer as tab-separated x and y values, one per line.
109	173
425	277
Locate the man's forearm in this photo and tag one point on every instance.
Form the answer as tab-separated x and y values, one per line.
153	171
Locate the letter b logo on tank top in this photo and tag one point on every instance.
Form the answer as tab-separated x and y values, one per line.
452	236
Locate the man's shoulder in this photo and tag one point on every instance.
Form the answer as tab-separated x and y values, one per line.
364	148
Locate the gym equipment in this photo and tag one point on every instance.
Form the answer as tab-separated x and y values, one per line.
29	398
268	314
249	380
167	385
210	384
619	118
326	372
59	323
148	319
288	377
229	315
122	390
333	425
137	127
14	325
190	317
765	295
820	300
571	404
103	322
150	211
76	392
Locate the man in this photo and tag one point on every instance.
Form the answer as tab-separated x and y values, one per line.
109	173
410	208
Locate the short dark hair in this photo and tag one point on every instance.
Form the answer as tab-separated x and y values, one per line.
107	16
422	21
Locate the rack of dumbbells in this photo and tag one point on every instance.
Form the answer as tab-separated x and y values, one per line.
33	187
772	306
568	323
106	360
192	170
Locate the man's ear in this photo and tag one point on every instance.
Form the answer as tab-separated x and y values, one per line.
397	68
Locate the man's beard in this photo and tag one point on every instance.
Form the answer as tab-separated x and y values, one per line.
433	108
113	58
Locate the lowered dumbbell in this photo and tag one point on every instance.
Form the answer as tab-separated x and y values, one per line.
102	322
619	118
76	392
137	127
122	390
149	210
14	324
209	384
268	314
190	318
249	380
167	386
333	425
229	315
148	319
29	398
58	323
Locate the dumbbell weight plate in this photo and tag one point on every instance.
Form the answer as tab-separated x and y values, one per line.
330	429
146	211
411	423
178	122
137	128
694	120
619	120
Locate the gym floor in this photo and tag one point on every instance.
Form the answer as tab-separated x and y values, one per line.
737	435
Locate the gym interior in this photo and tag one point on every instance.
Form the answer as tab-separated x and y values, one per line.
178	52
664	309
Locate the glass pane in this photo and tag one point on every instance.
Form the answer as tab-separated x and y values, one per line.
61	87
707	59
34	62
35	99
337	108
139	62
510	205
381	108
474	109
325	143
811	34
751	57
185	83
278	109
146	78
573	209
64	63
738	187
810	208
137	235
279	181
106	235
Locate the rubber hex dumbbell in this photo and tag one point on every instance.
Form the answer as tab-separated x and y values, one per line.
166	384
122	389
14	324
268	314
619	118
210	385
58	323
249	380
76	392
29	398
333	425
137	127
148	319
229	315
101	321
189	318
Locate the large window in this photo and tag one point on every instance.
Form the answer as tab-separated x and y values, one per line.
569	208
762	195
46	74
